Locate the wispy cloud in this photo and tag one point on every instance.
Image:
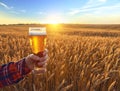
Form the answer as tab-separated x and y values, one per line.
103	8
17	11
23	11
5	5
74	11
103	0
40	13
94	3
93	6
14	12
12	9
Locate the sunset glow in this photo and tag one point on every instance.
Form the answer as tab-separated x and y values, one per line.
62	11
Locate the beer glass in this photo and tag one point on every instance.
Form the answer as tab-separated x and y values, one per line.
37	36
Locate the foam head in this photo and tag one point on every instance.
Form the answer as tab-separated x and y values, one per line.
37	31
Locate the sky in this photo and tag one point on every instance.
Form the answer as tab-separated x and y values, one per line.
60	11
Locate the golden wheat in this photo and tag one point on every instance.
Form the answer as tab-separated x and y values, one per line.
81	59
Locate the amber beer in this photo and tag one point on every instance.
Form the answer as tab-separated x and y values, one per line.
37	39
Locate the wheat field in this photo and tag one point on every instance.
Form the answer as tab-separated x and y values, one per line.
81	57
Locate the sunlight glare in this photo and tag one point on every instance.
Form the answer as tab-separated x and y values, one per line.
54	19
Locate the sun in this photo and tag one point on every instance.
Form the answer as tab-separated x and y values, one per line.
54	22
53	19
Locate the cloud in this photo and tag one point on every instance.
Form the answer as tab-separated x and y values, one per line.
5	6
94	9
73	12
11	9
94	3
90	19
102	0
14	12
40	13
23	11
17	11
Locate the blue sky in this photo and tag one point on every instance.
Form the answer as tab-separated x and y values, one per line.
60	11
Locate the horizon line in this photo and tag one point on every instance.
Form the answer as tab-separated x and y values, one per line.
63	23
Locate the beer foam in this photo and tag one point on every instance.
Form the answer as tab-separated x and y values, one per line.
37	31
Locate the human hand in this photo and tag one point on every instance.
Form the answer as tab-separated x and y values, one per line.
33	60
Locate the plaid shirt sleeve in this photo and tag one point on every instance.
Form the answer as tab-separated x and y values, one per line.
13	72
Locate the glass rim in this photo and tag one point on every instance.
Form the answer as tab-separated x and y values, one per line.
37	30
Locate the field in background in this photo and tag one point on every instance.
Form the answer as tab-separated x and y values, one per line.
82	57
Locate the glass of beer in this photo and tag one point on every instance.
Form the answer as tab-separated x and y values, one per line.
37	37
